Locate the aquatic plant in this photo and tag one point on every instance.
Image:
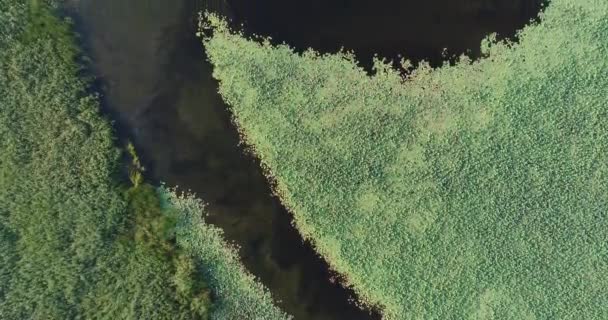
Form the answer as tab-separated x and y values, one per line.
473	191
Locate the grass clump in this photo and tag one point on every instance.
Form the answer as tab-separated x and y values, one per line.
474	191
136	169
75	242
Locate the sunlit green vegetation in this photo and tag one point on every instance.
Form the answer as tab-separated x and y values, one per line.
473	191
78	241
239	296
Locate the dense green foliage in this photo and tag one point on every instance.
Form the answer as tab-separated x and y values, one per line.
63	211
74	242
238	295
143	274
474	191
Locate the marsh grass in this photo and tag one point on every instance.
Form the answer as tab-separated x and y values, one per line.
77	242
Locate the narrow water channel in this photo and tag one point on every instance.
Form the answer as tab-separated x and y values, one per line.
158	87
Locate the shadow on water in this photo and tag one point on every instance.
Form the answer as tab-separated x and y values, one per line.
158	87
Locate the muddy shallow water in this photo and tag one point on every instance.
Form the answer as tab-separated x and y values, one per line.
157	86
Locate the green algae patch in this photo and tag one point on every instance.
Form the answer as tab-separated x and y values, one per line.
473	191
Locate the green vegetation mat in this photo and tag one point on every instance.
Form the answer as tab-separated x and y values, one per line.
474	191
239	296
76	242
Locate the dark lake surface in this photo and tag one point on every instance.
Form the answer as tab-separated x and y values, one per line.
416	29
157	86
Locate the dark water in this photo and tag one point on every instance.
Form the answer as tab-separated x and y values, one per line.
159	89
417	29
